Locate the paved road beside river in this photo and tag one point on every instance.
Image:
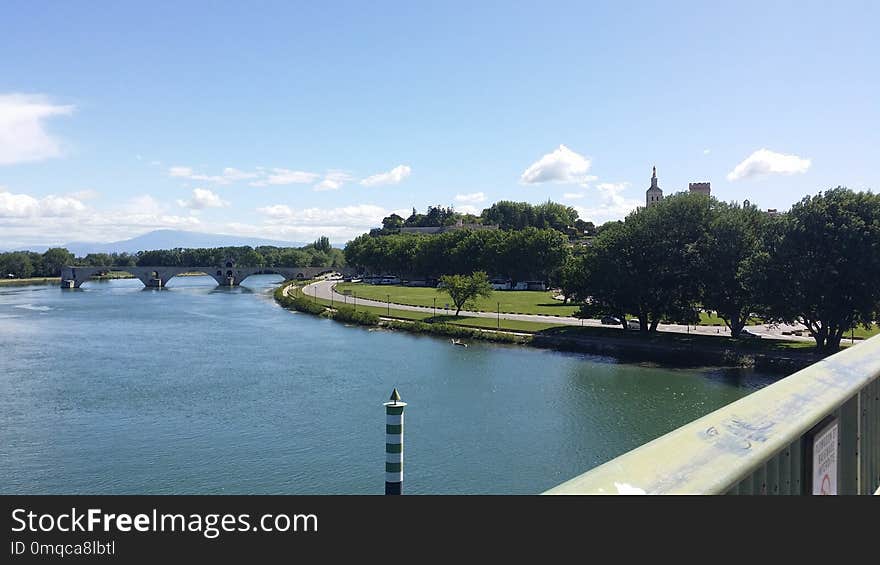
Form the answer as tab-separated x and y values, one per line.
326	288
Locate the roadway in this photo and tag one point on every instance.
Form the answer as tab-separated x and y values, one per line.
326	288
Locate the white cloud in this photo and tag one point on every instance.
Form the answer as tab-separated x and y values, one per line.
231	175
613	205
573	195
473	197
764	162
359	215
706	151
26	206
562	165
340	224
394	176
202	198
87	194
178	171
277	211
23	134
228	176
333	180
468	209
55	220
286	176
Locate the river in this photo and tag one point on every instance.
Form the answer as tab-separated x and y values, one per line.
195	389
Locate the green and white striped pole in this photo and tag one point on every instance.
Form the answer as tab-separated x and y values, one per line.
394	444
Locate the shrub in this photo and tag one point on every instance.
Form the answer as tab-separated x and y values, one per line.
300	304
348	314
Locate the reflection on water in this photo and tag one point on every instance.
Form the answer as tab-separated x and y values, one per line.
200	389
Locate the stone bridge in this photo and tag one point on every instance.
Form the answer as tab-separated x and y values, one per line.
226	275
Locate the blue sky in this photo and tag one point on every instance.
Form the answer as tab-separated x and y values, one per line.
290	121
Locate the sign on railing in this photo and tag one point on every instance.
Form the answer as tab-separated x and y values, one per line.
823	463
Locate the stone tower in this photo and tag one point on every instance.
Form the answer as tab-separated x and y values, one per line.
701	187
653	195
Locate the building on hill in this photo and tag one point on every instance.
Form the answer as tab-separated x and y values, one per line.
654	194
432	230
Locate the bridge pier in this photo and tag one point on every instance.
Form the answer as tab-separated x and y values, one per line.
151	279
225	280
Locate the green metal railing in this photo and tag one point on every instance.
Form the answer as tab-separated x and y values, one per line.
816	431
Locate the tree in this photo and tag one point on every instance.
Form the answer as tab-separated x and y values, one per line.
585	228
732	264
510	215
17	264
392	222
55	259
465	289
823	265
649	264
322	244
573	277
554	216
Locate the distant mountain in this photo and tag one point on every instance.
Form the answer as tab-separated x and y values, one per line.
169	239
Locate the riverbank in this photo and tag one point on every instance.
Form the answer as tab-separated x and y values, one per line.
665	347
363	317
34	280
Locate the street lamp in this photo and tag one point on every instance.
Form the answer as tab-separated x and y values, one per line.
498	309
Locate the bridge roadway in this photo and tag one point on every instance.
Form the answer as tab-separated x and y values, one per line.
324	289
158	277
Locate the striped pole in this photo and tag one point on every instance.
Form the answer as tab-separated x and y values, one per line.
394	444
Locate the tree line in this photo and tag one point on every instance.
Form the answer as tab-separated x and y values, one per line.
505	214
318	254
26	264
818	264
527	254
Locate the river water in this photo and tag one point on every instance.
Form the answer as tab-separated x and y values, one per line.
197	389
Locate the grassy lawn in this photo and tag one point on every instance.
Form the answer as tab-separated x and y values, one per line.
512	301
713	320
865	334
471	322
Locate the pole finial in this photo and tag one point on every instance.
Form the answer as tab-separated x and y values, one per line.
395	396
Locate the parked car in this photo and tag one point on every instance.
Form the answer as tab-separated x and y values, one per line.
610	321
633	324
749	335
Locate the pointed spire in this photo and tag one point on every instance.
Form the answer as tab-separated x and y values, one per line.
654	175
395	396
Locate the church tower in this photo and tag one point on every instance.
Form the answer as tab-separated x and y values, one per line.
653	195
